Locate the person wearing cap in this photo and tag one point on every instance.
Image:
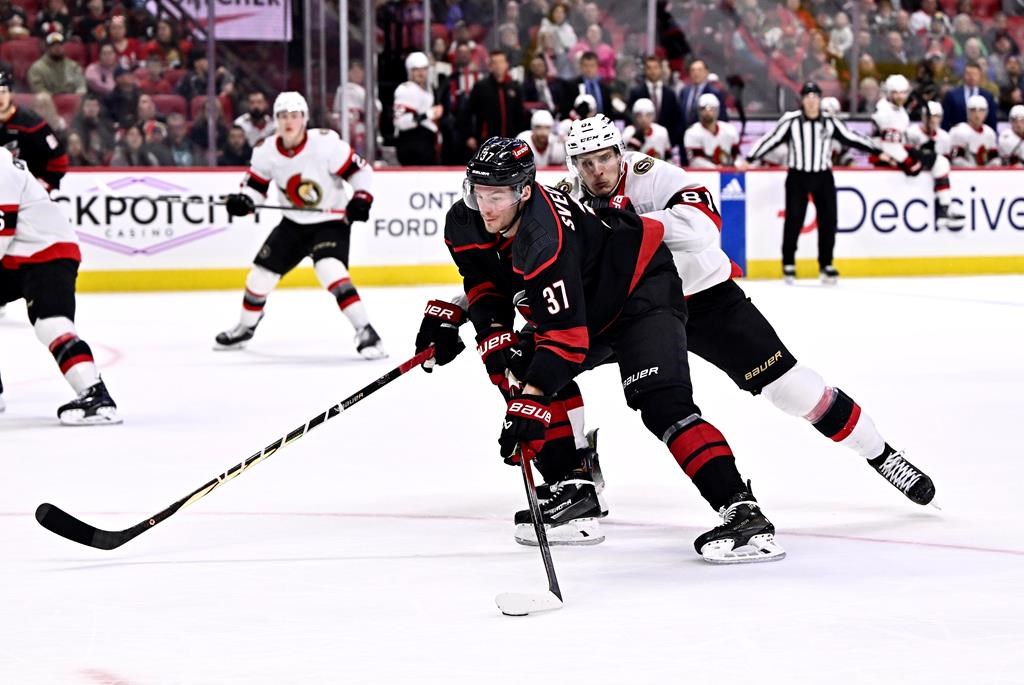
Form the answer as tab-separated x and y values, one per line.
1011	140
809	133
55	74
548	149
416	115
194	83
711	143
974	141
28	137
123	102
954	104
496	104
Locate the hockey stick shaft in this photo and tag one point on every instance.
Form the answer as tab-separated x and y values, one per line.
67	526
200	201
538	525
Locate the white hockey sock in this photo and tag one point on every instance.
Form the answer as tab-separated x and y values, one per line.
333	275
72	354
258	285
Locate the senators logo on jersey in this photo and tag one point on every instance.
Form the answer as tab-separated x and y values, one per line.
303	192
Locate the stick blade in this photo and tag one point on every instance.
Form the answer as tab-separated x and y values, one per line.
526	603
59	522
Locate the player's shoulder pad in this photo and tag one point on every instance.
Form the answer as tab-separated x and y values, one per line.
539	238
26	117
464	227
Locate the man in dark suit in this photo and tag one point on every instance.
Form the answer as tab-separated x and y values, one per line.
496	103
589	83
666	106
543	91
699	85
954	105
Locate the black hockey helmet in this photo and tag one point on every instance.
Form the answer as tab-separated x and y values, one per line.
6	80
500	162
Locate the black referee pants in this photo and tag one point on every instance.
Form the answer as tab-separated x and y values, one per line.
821	186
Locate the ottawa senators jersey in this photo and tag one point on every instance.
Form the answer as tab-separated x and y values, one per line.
578	270
974	146
1011	148
664	192
309	175
412	107
654	142
33	229
553	154
918	137
711	148
29	138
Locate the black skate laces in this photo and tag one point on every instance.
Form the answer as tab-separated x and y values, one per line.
900	472
729	513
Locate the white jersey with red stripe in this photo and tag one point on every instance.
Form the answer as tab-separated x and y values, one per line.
552	154
918	137
711	148
33	228
974	146
891	124
1011	148
412	107
666	193
309	175
655	142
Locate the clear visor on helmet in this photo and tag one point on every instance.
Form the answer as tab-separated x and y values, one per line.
490	198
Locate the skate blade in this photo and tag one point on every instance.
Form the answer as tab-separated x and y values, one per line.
759	548
103	417
580	532
524	604
217	347
829	280
373	352
789	280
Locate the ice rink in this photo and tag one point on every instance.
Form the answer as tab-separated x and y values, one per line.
371	550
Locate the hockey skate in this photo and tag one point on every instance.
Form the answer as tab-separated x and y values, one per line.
746	536
570	512
93	406
906	477
829	275
368	343
235	338
3	406
947	218
788	274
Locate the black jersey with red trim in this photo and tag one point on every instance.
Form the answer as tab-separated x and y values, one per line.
578	270
29	138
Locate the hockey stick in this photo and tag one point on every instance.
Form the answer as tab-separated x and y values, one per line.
523	603
199	201
67	526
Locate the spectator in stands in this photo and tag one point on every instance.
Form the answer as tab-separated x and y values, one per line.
1012	93
194	82
178	141
478	53
455	124
156	141
91	27
152	79
894	57
354	98
440	67
168	45
939	40
513	16
236	151
146	110
13	22
840	38
605	53
698	71
257	123
55	17
127	49
53	73
558	63
496	104
76	151
1002	50
132	150
532	12
540	88
556	24
670	34
589	83
921	20
954	105
99	76
123	102
508	42
867	68
973	53
94	128
200	126
869	93
666	105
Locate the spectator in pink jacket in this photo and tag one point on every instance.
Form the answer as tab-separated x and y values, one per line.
605	53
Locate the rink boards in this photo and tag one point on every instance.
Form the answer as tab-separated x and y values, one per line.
135	238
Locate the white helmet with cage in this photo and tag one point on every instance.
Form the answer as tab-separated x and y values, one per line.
291	101
897	83
591	135
416	60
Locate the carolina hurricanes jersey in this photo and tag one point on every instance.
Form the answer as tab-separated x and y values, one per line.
32	227
309	175
553	154
918	137
664	192
974	146
412	107
891	124
653	142
1011	148
707	149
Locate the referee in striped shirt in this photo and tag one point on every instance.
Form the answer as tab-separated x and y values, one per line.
809	132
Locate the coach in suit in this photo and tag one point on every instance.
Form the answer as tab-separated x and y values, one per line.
699	85
589	83
666	106
954	105
540	87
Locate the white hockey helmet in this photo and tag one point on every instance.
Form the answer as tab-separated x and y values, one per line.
416	60
897	83
708	100
1017	112
542	117
933	109
643	106
291	101
830	105
977	102
591	135
585	99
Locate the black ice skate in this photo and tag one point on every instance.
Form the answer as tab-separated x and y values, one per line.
947	218
906	477
829	275
93	406
368	343
235	338
746	536
591	465
788	274
571	512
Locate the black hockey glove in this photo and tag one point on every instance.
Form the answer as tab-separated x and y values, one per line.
526	425
238	204
911	165
440	328
358	208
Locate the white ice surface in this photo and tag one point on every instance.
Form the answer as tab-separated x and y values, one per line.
371	550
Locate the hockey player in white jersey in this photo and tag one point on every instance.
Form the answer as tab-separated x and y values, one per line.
583	106
711	143
1011	141
974	141
842	155
416	114
892	124
312	169
39	258
548	148
646	135
928	134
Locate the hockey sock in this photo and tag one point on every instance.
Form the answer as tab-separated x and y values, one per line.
72	354
252	308
558	458
573	401
258	285
839	418
333	275
702	452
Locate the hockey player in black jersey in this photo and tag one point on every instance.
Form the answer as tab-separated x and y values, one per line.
598	284
29	138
